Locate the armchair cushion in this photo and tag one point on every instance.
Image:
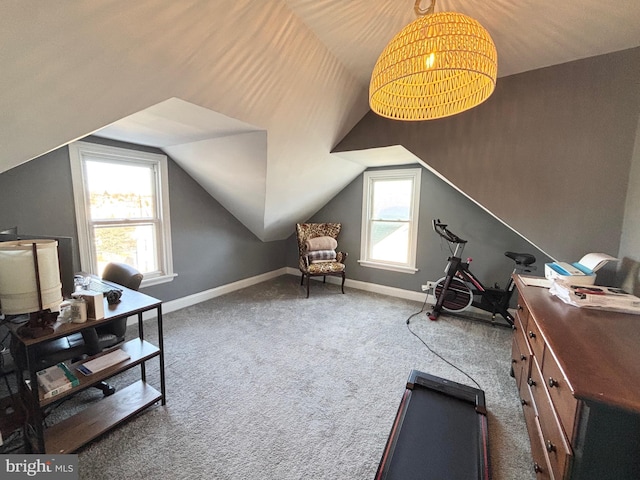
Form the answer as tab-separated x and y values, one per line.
321	243
317	256
325	268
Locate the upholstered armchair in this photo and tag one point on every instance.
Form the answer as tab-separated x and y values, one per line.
317	243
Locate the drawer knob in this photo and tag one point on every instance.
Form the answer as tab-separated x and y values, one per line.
523	402
537	468
553	382
531	334
520	307
550	446
531	382
523	357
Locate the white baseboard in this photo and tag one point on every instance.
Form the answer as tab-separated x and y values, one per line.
372	287
418	296
189	300
221	290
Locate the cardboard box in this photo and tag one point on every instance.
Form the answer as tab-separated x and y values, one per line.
95	303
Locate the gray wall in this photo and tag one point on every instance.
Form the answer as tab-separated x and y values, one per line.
549	152
629	271
488	238
210	247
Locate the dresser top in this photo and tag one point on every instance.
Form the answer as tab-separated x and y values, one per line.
598	351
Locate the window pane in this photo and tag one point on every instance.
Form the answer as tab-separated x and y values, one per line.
392	199
390	241
117	190
390	210
134	245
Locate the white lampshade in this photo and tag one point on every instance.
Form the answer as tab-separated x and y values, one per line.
18	287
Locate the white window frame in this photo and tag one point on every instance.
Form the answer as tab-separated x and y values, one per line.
78	152
369	177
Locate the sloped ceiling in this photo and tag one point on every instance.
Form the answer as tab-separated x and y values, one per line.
249	97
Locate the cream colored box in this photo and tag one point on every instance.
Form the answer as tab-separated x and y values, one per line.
95	303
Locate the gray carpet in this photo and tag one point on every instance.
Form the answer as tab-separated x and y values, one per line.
266	384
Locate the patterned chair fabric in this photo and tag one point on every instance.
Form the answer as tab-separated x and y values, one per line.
308	262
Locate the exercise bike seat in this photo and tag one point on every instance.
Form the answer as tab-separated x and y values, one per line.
525	259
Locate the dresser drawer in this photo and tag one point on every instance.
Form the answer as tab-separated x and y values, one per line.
520	355
565	403
534	382
555	443
528	408
522	313
540	460
541	465
535	339
517	363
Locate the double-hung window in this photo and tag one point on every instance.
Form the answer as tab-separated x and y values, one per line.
390	219
122	209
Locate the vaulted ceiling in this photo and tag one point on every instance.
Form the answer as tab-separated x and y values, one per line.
248	97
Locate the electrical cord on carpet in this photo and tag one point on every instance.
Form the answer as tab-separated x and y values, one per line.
434	352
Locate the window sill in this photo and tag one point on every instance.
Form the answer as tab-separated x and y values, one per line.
386	266
158	280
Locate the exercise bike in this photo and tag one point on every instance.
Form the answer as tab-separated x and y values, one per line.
460	289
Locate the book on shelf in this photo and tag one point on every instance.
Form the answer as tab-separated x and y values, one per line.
104	361
56	379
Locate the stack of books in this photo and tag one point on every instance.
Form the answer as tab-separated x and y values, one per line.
56	379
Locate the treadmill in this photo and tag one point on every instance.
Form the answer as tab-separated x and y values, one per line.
439	433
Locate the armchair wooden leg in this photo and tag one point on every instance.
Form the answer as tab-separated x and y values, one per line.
302	279
308	282
324	279
343	278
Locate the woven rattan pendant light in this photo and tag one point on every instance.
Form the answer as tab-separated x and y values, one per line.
438	65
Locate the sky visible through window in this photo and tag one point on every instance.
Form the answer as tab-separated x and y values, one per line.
125	192
391	216
119	191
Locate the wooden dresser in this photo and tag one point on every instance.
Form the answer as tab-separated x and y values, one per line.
578	376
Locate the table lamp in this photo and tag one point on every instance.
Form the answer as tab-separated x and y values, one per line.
30	284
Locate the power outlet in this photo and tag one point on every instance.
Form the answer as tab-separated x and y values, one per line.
429	286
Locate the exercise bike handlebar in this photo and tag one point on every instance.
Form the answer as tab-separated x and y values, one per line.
442	230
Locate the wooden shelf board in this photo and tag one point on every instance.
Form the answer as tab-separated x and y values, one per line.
139	350
70	434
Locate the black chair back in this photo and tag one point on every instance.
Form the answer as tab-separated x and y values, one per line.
122	274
